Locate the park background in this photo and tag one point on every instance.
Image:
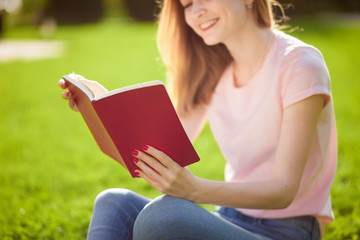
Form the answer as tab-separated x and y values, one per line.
51	169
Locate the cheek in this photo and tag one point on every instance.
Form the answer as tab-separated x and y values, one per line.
191	24
188	21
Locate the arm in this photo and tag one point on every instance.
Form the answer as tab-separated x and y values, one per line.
297	133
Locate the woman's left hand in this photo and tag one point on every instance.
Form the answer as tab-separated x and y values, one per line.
164	174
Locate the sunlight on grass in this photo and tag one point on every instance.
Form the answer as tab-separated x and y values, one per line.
50	167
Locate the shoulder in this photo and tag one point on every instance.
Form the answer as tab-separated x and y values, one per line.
303	71
297	54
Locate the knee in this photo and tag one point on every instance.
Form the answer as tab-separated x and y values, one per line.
164	206
112	197
161	218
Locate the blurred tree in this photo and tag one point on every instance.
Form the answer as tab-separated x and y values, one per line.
29	13
310	7
349	5
141	10
75	11
6	7
2	17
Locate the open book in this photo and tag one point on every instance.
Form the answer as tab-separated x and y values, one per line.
129	118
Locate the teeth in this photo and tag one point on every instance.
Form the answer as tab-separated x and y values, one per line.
207	24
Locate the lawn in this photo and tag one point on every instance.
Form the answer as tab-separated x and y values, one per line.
50	167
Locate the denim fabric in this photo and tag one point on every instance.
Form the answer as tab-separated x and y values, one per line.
174	218
294	228
114	214
122	214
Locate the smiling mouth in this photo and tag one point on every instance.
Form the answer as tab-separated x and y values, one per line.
208	24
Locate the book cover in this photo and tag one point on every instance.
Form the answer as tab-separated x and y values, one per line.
129	118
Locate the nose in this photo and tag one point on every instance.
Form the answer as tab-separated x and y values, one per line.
198	10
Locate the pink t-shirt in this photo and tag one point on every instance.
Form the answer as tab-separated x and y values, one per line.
246	124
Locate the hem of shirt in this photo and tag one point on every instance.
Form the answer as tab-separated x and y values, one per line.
308	93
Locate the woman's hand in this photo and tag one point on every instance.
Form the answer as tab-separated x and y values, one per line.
67	95
164	174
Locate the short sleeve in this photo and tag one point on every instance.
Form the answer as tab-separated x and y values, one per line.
304	73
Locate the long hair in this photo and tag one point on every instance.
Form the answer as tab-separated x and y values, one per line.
195	68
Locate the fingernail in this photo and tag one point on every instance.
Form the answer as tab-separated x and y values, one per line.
145	147
136	160
137	173
135	152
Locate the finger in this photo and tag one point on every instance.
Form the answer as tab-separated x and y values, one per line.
62	84
73	105
149	160
148	179
149	164
66	95
159	185
161	156
149	173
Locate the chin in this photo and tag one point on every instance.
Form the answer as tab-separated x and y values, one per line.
210	41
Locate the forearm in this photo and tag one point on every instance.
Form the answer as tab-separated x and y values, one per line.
271	194
297	134
171	179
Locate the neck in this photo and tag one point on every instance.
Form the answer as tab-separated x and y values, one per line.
249	50
248	47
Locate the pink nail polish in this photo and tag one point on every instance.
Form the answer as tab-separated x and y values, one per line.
145	147
136	160
135	152
136	173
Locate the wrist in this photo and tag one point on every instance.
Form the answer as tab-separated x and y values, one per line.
197	195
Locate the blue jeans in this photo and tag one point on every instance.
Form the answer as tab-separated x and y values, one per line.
122	214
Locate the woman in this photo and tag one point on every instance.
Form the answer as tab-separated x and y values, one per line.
267	98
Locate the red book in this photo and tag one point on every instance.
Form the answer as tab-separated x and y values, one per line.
129	118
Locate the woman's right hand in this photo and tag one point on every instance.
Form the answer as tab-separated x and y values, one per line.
67	95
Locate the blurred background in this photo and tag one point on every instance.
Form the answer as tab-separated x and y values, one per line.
50	167
52	12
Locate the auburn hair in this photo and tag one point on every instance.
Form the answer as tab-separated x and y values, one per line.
194	67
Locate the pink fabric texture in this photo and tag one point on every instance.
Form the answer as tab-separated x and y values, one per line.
246	123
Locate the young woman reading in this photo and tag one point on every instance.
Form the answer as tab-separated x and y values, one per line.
267	98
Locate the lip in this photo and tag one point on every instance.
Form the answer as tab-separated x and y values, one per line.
206	25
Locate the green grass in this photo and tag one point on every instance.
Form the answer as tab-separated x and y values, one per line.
51	169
